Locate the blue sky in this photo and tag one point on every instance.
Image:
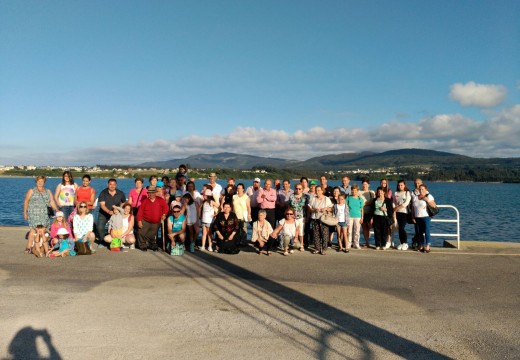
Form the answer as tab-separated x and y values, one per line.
130	81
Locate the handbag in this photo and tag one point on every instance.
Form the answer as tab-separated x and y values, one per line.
389	219
329	219
431	210
177	250
83	248
50	211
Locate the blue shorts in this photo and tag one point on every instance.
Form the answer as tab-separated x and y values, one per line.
342	224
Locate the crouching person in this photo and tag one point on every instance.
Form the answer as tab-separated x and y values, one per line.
63	246
226	228
261	234
177	227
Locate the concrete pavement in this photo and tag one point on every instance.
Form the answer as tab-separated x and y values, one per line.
364	305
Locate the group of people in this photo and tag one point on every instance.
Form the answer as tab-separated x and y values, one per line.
170	212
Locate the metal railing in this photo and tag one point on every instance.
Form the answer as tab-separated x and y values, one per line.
457	220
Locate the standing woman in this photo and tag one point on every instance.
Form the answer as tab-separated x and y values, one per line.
86	192
369	197
388	194
319	205
242	209
382	207
195	195
402	198
35	209
421	217
137	195
65	194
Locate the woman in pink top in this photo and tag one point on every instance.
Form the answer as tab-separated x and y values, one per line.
136	195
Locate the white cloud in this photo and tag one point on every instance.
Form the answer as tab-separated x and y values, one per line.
497	136
479	95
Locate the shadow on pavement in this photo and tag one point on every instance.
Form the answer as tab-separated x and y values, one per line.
310	324
23	345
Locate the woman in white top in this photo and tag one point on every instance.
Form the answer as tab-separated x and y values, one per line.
65	194
319	205
421	217
402	198
287	230
242	209
83	225
128	237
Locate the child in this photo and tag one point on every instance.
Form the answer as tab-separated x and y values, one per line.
63	245
40	244
115	225
58	223
183	171
209	210
192	217
342	213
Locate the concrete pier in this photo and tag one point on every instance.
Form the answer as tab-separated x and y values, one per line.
461	304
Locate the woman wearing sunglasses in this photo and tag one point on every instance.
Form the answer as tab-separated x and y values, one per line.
287	231
83	225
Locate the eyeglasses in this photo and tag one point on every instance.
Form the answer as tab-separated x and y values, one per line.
298	188
289	214
83	206
176	211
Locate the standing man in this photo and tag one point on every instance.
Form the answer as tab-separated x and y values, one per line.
267	200
216	188
345	187
152	211
282	199
327	190
252	192
107	199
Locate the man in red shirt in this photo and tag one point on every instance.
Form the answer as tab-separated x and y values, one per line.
151	212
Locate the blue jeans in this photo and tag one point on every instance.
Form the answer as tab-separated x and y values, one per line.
67	210
423	224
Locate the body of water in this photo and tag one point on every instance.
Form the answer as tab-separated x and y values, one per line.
487	211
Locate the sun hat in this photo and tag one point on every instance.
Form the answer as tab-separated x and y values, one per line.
152	189
208	192
59	213
175	203
62	231
212	175
256	180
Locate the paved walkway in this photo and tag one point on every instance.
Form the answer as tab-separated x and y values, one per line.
368	304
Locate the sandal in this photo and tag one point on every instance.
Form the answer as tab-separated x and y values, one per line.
286	254
339	249
28	251
302	249
268	253
323	253
346	251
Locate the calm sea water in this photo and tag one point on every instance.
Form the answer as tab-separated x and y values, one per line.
487	211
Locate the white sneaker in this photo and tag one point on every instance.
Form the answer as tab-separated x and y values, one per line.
404	247
358	247
387	245
400	247
291	251
378	248
210	249
201	248
132	247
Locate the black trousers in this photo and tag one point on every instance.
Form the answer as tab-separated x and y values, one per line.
401	222
228	245
147	235
380	230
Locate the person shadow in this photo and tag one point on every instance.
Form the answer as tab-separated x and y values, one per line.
24	345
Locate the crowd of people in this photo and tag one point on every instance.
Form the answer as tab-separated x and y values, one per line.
170	213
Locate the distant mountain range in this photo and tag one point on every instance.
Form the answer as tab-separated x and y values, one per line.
402	158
